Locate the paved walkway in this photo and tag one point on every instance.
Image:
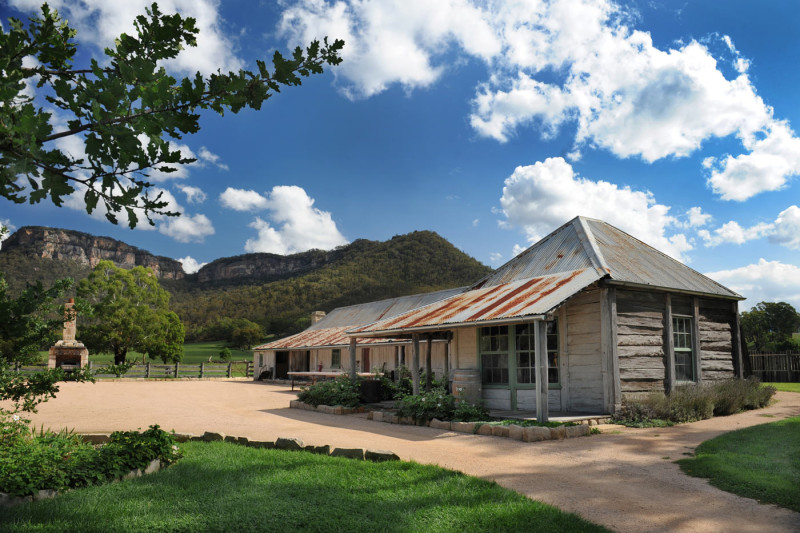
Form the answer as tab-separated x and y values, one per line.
624	479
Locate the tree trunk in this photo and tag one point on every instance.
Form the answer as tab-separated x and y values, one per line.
119	356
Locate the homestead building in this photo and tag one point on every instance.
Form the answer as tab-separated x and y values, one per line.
580	319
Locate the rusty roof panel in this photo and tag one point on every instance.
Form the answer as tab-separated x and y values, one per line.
516	299
330	331
630	260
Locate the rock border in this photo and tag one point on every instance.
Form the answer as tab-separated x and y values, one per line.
511	431
6	500
282	443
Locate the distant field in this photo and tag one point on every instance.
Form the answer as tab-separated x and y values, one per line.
786	387
193	354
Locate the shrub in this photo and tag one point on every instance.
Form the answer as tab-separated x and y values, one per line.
438	404
225	354
62	460
695	402
340	391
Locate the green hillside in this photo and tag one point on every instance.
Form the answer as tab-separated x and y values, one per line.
365	271
359	272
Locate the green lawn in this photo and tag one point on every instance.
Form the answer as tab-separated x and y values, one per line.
225	487
760	462
786	387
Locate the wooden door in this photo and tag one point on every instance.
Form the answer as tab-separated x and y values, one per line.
365	366
281	365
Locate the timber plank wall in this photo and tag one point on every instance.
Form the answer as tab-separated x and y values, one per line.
642	343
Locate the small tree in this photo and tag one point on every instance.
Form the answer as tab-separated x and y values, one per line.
130	312
246	336
225	354
769	325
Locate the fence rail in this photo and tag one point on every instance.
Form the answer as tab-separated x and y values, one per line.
154	370
776	367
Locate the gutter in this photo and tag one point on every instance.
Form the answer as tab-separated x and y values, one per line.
644	286
445	327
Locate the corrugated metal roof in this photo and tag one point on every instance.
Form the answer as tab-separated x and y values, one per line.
584	243
330	331
516	299
632	261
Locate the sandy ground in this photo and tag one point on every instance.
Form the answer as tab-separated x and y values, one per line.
624	479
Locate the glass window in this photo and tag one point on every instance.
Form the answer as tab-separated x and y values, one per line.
494	354
684	355
526	353
336	358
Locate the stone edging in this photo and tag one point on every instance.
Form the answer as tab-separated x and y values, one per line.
512	431
292	444
6	500
283	443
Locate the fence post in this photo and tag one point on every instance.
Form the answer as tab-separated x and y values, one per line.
230	368
16	367
202	369
177	369
248	370
147	370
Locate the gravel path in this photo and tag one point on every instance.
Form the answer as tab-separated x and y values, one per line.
624	479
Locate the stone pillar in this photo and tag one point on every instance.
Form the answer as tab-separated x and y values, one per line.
68	352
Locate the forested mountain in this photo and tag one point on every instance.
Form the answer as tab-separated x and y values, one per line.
277	292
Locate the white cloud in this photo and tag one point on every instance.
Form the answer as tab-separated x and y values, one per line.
787	228
392	41
205	156
5	222
538	198
190	264
296	225
732	232
784	231
495	257
517	249
765	281
242	200
696	217
187	228
194	195
476	222
100	22
553	63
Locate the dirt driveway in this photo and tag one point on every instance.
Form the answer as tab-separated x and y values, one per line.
624	479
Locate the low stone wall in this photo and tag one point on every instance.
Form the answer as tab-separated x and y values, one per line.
511	431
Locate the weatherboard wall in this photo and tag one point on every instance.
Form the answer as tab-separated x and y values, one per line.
583	353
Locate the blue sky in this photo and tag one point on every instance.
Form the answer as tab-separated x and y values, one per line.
491	124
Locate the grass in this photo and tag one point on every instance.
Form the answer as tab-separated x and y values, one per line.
225	487
193	354
786	387
760	462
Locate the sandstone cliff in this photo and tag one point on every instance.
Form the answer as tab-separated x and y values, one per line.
88	250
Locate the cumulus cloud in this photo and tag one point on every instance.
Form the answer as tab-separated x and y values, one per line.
187	228
205	156
495	257
785	230
540	197
765	281
696	217
554	63
190	264
194	195
392	41
242	200
99	22
295	224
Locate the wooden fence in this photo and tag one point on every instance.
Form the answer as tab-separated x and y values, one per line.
153	370
776	367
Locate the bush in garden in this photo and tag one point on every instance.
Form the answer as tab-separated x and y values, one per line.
689	403
62	460
438	404
340	391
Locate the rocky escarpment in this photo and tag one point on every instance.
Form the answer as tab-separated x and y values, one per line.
88	250
264	267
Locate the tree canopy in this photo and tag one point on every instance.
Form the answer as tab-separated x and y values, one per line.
126	108
130	311
769	325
